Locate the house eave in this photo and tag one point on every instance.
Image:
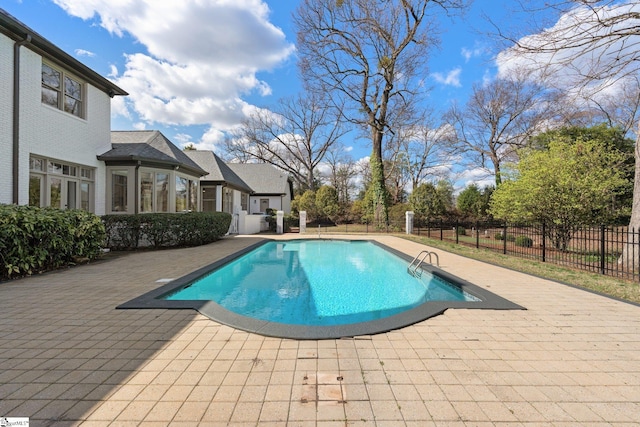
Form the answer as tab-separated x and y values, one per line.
17	31
140	161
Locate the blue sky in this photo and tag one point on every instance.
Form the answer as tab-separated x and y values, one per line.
193	69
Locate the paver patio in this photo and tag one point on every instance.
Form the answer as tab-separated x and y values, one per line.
67	357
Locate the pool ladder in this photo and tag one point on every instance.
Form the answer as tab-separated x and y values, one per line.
414	268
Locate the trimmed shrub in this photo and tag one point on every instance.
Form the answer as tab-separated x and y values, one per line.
461	231
158	230
35	239
524	241
510	237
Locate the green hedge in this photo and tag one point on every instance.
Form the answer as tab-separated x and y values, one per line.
510	237
125	232
524	241
39	239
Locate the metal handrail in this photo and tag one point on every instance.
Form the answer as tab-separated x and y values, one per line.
416	265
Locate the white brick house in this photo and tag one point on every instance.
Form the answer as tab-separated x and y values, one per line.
57	148
55	118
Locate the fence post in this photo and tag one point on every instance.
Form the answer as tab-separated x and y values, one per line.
441	236
603	248
544	242
504	239
408	222
455	230
477	236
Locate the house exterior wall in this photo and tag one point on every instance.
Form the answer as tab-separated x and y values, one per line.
6	118
49	132
277	203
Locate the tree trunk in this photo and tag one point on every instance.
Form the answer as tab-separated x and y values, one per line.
380	195
630	259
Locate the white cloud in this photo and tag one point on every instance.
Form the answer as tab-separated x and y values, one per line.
210	140
477	176
82	52
452	78
586	48
468	54
113	71
196	59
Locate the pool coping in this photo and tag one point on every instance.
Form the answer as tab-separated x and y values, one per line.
214	311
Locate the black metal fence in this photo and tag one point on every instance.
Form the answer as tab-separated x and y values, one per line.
609	250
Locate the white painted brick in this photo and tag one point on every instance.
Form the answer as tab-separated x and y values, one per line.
47	131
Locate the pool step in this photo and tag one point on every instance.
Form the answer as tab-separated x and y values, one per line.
414	267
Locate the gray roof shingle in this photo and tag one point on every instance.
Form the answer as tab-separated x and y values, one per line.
218	170
262	178
148	146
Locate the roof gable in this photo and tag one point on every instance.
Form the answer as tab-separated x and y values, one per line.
148	146
262	178
217	169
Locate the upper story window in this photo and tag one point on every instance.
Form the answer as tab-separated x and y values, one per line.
62	91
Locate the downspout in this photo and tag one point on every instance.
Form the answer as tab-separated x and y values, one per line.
16	115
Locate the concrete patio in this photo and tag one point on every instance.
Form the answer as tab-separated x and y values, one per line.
67	357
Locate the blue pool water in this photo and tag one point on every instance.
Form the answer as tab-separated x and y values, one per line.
319	283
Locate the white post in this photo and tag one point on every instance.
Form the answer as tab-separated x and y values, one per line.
279	222
303	222
409	222
242	222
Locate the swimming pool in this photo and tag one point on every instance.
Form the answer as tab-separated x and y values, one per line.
312	288
319	283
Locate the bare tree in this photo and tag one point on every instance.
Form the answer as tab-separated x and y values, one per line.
497	120
295	136
370	54
622	108
593	47
415	153
341	173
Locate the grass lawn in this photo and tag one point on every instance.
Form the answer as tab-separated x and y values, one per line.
612	286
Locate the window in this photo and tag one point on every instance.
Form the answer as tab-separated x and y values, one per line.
119	182
55	187
244	201
146	192
59	184
181	193
227	200
85	196
162	192
209	198
62	91
193	195
35	190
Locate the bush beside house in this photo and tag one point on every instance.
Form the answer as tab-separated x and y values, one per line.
125	232
35	239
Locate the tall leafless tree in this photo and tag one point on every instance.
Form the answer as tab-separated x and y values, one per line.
294	136
415	153
372	55
341	173
497	120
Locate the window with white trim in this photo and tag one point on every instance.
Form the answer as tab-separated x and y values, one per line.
60	184
62	91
